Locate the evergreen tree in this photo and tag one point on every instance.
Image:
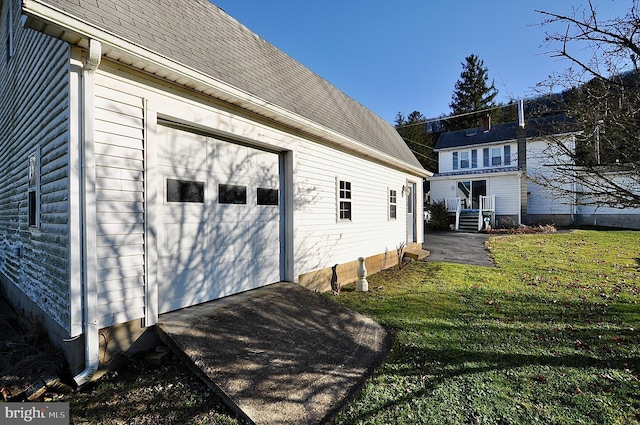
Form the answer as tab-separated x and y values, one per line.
416	134
472	93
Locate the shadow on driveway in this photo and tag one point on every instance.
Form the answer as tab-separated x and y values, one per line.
458	247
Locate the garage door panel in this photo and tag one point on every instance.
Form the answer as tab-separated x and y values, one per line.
215	246
232	159
182	238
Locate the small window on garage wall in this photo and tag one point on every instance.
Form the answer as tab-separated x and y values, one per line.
185	191
33	191
267	196
232	194
393	204
344	200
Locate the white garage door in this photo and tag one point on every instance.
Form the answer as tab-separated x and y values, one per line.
219	218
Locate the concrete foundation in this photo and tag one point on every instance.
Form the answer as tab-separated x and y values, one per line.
320	280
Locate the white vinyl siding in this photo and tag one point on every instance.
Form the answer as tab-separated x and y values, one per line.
317	241
543	200
120	213
34	119
507	192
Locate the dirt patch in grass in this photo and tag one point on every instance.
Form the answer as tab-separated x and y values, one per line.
139	392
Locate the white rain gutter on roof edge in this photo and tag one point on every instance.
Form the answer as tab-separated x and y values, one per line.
90	293
220	89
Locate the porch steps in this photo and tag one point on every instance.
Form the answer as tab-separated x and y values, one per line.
417	254
468	222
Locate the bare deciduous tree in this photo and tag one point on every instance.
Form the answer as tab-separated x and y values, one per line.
600	93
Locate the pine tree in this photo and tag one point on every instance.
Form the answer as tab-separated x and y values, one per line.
472	93
416	134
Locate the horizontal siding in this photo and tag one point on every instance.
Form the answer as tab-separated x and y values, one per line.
544	199
322	240
319	239
34	113
507	192
120	215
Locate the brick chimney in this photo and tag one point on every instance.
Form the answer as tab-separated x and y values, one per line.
486	123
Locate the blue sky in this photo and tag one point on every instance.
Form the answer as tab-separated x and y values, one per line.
406	55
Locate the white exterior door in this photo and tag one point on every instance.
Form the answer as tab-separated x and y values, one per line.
219	218
411	212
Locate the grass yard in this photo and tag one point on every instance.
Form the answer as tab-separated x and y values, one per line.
552	335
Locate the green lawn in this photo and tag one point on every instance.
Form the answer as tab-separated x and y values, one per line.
551	336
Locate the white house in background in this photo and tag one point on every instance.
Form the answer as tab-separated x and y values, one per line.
495	172
158	154
483	175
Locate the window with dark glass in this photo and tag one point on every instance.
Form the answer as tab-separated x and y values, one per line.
464	159
496	156
485	157
474	158
507	155
344	196
455	160
267	196
33	191
393	204
232	194
33	209
185	191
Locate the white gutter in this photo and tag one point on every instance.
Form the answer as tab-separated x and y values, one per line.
189	77
90	293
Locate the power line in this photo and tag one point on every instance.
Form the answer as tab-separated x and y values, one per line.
430	120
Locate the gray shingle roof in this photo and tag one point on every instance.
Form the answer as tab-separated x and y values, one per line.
199	35
535	127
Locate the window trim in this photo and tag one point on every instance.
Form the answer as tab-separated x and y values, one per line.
392	201
33	187
346	201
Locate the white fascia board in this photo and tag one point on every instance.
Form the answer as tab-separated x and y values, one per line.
189	77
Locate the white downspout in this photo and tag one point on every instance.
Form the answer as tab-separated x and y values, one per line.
89	296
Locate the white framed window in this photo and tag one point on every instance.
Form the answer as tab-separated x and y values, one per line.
507	155
393	204
344	201
33	190
496	156
464	159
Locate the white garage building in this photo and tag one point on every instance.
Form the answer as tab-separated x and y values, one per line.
158	154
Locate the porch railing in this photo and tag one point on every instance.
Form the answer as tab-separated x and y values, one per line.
487	203
454	205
